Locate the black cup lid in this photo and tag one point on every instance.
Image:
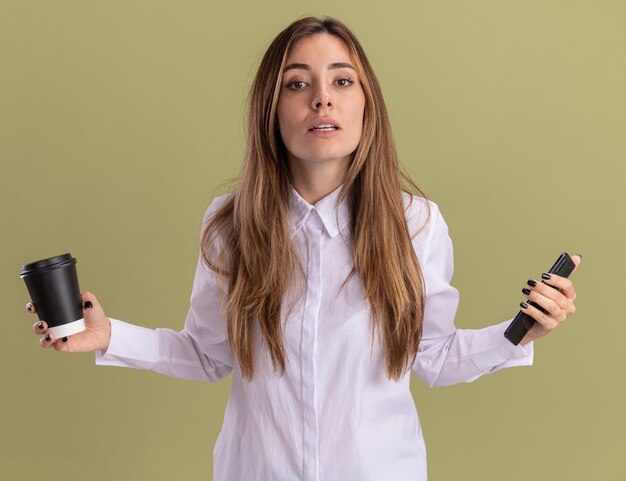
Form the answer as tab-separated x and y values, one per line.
46	264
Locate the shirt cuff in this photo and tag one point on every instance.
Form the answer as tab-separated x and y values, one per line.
130	346
491	350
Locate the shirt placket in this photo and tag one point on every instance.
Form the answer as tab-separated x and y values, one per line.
314	230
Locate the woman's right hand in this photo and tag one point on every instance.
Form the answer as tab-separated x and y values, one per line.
96	335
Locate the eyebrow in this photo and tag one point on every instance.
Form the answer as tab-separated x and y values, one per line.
304	66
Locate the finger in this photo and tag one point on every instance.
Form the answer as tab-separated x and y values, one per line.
553	310
30	307
46	341
546	321
40	327
566	304
547	291
62	345
561	283
556	281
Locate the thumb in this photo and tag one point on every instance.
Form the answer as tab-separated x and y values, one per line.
92	310
577	258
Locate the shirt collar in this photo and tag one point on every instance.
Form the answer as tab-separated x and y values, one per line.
332	216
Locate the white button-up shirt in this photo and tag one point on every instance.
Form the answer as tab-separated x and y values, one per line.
334	415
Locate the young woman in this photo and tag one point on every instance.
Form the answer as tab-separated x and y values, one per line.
321	284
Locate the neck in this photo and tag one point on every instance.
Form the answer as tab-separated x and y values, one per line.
315	180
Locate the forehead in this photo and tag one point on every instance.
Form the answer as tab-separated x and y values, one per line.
320	48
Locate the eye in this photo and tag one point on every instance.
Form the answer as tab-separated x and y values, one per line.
347	81
296	85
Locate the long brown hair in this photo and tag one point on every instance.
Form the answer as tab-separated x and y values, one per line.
257	259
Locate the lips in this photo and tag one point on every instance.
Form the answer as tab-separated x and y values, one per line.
325	123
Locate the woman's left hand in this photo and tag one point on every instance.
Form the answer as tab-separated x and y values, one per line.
558	304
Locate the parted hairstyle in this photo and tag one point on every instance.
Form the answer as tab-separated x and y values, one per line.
256	261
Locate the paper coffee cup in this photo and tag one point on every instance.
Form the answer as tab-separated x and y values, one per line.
53	287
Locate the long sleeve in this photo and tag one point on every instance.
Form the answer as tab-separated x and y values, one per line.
200	351
448	355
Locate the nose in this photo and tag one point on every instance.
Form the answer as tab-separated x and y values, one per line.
321	99
318	103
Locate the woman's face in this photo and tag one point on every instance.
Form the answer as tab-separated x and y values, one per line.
320	86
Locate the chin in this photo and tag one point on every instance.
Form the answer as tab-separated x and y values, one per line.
325	157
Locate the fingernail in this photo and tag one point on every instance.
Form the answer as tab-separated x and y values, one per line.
88	305
48	338
579	255
531	283
29	306
523	305
64	339
526	291
40	325
545	276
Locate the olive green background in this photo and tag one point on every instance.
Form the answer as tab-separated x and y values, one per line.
120	120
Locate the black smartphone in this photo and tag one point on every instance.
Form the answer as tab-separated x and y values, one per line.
522	323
